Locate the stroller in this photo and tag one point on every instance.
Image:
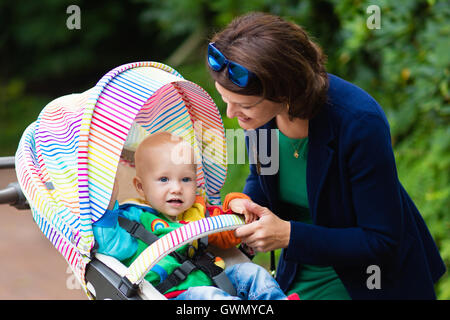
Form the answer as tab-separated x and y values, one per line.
67	161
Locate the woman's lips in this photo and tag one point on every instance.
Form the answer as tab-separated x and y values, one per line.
243	119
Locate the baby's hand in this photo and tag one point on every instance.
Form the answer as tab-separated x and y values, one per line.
237	206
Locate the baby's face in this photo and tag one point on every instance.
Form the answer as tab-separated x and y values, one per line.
168	186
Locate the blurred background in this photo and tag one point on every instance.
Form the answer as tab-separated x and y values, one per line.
404	65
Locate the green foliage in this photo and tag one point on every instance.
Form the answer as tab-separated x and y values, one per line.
41	59
404	65
16	113
406	68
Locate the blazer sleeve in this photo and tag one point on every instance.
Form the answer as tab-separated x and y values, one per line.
253	189
252	186
376	202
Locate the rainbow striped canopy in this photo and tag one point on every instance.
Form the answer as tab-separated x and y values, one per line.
67	159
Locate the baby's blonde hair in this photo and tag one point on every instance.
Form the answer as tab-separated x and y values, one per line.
154	141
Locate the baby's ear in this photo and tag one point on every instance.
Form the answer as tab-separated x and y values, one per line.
138	186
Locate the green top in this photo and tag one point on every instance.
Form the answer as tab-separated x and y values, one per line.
160	226
292	176
311	282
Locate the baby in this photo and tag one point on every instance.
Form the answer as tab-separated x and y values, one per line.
166	180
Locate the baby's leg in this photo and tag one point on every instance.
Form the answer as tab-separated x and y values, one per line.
253	282
205	293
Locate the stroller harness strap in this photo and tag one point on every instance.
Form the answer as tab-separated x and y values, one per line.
177	276
138	231
202	260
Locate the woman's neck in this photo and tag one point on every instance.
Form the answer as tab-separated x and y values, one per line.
295	129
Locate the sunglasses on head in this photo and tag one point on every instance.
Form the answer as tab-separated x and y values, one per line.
238	74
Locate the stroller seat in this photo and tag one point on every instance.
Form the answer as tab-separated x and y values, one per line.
67	161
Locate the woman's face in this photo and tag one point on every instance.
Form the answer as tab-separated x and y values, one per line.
251	111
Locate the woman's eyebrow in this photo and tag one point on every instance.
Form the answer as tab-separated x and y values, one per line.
252	104
246	104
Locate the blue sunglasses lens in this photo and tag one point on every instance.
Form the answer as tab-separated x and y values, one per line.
238	74
216	59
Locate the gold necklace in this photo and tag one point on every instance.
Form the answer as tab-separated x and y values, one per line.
296	154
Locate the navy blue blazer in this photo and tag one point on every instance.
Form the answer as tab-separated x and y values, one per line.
361	214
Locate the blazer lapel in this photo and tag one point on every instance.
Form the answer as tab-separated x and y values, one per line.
269	183
320	155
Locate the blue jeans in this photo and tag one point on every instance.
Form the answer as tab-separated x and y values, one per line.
252	282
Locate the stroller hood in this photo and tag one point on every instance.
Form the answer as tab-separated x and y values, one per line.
67	159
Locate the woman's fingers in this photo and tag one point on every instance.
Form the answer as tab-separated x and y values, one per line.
267	233
245	231
256	209
252	235
249	217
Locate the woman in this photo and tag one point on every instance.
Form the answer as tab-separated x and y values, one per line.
347	227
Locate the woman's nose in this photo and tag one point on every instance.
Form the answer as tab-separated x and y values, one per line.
231	110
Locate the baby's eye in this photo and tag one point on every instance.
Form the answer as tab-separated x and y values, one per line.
186	179
163	179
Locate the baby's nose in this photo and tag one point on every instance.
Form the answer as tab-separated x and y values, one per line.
175	187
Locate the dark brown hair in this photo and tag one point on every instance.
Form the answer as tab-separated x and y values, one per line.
289	67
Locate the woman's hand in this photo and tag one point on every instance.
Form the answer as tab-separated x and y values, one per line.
267	233
237	205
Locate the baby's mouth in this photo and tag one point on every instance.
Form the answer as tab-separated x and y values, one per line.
175	202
